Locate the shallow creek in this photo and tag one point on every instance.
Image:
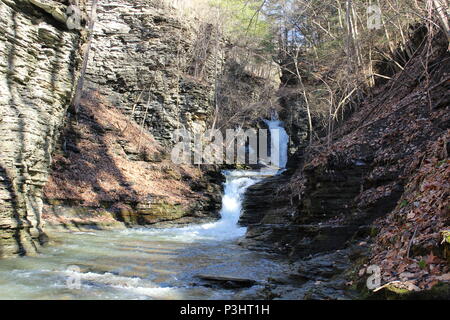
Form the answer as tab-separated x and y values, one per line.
145	263
152	263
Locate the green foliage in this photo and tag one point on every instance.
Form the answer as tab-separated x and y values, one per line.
422	264
440	163
446	236
245	20
404	203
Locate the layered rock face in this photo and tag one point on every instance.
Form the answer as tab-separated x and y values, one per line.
37	71
108	169
155	67
375	153
149	73
372	175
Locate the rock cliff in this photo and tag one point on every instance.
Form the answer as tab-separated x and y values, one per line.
38	63
109	169
150	71
157	67
372	177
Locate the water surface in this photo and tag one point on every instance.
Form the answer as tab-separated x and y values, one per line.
144	263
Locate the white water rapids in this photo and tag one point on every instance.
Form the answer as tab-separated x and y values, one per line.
148	263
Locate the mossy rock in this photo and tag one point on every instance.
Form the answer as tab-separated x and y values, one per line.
440	291
158	212
172	174
446	236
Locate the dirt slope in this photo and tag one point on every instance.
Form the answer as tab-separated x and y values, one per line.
108	162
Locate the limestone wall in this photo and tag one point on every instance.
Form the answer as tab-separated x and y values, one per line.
37	73
142	59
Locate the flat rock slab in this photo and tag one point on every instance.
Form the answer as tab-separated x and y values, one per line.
227	282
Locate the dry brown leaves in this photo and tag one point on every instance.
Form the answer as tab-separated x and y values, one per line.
409	245
100	170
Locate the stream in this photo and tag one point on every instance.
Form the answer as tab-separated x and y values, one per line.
149	263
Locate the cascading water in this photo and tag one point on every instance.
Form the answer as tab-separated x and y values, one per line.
227	227
279	141
237	182
150	263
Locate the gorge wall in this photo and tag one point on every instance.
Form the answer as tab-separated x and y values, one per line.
37	72
150	71
157	67
370	186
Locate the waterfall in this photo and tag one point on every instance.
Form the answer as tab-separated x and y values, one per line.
227	227
237	182
151	263
279	141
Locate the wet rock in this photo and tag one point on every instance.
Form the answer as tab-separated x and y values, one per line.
321	267
299	240
323	276
226	282
262	203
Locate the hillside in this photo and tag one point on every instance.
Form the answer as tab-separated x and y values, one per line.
382	182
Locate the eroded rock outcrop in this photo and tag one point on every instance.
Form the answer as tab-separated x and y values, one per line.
155	66
149	72
37	75
109	169
380	158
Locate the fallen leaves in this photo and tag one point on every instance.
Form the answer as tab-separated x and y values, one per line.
418	224
405	178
